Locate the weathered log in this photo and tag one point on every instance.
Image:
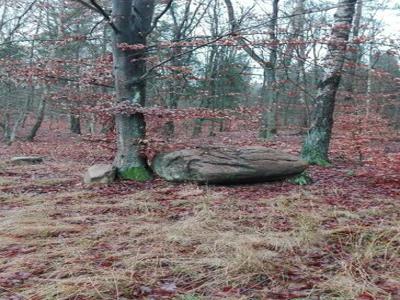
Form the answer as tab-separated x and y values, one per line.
227	165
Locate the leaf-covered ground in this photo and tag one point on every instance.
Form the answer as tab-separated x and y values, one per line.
338	238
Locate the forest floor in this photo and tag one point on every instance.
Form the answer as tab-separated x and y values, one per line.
338	238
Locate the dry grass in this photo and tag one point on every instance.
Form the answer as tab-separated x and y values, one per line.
197	244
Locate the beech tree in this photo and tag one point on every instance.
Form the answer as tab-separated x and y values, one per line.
316	144
131	22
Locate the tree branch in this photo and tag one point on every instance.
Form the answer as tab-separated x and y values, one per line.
97	8
242	41
180	55
87	5
157	18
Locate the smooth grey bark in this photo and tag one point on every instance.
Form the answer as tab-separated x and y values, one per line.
132	23
316	144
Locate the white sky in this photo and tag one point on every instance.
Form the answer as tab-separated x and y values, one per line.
389	17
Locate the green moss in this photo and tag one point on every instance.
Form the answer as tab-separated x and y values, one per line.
301	179
314	158
315	149
135	173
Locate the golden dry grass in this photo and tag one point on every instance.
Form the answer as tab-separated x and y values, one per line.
197	244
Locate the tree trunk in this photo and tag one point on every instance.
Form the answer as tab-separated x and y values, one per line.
24	111
6	128
268	124
397	118
39	119
301	61
132	19
92	123
18	121
75	123
316	145
354	56
74	115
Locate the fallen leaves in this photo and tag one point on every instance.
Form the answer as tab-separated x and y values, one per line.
160	240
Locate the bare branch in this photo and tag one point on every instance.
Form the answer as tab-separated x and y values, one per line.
19	19
87	5
157	18
180	55
242	41
97	8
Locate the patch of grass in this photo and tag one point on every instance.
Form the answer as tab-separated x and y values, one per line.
3	166
368	253
50	181
79	244
8	181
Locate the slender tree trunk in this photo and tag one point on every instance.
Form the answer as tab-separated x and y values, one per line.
370	74
316	145
75	116
24	111
132	20
6	128
268	124
211	70
92	123
397	117
75	123
299	49
175	88
39	119
354	56
18	121
301	60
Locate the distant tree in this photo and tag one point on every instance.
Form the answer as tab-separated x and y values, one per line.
269	89
354	56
